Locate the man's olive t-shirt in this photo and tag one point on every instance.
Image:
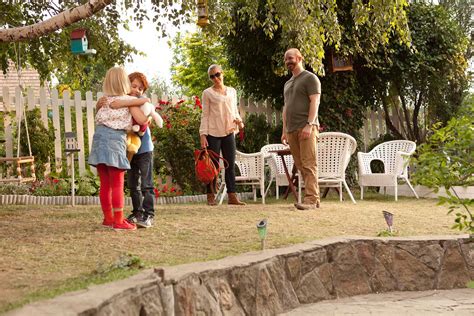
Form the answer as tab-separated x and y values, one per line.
296	92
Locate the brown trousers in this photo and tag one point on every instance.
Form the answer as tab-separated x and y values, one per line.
304	155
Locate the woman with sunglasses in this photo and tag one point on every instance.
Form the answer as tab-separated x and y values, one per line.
220	120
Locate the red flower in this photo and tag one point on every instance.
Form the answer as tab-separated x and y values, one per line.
55	180
158	107
157	192
165	188
168	125
322	128
163	102
197	102
173	189
180	101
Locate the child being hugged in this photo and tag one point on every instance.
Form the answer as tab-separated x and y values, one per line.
140	175
109	145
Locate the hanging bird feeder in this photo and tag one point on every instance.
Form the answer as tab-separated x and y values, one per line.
203	18
79	43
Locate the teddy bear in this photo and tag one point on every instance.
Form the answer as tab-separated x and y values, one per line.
133	144
149	110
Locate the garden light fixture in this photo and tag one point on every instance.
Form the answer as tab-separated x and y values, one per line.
262	231
389	219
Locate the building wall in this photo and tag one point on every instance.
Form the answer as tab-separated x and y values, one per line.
29	78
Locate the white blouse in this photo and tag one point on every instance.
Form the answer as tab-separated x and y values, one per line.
219	112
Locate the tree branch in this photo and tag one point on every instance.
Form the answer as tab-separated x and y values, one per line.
55	23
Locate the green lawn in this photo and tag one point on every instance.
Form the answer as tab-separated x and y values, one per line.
48	250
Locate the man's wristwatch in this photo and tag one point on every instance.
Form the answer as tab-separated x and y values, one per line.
311	123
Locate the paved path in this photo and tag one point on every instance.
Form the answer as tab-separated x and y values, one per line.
449	302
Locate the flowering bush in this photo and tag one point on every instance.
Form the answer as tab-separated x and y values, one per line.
176	141
51	187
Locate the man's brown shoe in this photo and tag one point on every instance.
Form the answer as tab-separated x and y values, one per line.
306	207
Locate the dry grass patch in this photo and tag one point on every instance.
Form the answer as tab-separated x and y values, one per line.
48	247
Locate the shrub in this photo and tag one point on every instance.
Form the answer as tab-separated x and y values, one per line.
87	185
14	189
447	160
42	146
255	133
51	187
176	141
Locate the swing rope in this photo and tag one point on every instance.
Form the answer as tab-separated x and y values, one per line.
20	101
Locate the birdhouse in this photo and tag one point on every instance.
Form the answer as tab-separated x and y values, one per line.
203	19
79	42
70	145
339	63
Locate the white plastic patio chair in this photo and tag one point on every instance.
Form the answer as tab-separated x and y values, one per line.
275	162
394	155
251	167
333	155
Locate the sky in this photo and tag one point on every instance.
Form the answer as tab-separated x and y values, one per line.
157	62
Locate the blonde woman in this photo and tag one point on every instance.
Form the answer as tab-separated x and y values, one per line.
108	152
220	120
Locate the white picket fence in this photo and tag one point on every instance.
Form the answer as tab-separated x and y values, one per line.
84	111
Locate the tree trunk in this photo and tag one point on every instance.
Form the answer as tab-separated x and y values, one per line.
389	123
416	111
55	23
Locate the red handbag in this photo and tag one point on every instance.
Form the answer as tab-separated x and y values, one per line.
205	162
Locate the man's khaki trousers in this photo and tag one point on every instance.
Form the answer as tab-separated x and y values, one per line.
304	155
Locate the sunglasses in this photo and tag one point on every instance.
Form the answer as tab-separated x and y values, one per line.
216	75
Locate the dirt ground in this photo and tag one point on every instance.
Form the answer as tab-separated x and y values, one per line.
45	246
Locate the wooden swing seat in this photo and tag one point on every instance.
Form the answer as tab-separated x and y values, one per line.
19	161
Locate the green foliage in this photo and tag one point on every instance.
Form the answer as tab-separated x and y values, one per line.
387	233
51	55
310	26
14	189
125	261
51	187
447	160
176	141
255	131
430	75
87	184
42	146
192	56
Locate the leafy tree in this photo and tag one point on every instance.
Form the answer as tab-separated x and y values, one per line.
447	160
193	53
51	54
429	76
308	25
160	87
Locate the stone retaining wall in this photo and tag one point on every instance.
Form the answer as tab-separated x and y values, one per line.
278	280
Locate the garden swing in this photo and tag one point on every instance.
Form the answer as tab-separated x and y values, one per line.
20	162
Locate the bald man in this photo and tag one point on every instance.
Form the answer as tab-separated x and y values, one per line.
302	93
